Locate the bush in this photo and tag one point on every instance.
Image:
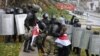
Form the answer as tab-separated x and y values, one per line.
54	11
9	49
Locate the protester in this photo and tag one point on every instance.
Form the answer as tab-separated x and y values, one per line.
52	30
35	33
63	43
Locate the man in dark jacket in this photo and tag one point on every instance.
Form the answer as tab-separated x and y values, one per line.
46	22
53	33
30	21
75	23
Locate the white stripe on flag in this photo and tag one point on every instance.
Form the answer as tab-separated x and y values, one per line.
63	42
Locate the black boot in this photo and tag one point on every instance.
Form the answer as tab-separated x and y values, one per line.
97	55
78	51
29	45
92	55
20	38
14	38
7	39
26	46
74	49
87	53
27	51
31	49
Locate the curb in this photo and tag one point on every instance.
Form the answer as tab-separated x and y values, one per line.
95	15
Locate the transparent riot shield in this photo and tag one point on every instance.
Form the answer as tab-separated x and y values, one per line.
1	12
94	45
84	43
7	24
20	18
76	37
69	31
0	24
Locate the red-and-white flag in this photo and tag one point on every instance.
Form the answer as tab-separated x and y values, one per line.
35	33
63	40
35	30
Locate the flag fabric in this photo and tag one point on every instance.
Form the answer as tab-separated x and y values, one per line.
35	30
63	40
35	33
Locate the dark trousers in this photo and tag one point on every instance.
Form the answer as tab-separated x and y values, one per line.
78	51
70	47
94	55
64	51
40	40
43	40
27	43
20	37
40	47
15	38
87	52
8	39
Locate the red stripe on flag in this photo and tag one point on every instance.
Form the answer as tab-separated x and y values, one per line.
35	30
64	37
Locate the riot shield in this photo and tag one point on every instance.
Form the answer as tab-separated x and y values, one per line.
85	39
69	31
69	37
1	12
20	18
94	45
0	24
7	24
76	37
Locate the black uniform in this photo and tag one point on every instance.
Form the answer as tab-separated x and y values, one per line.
30	21
95	33
77	49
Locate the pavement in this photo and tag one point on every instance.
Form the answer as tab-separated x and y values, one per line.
95	14
34	53
89	18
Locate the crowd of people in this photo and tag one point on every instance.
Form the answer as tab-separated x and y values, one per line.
51	29
54	30
24	9
48	28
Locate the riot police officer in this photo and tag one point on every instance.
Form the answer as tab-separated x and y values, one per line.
30	22
77	24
